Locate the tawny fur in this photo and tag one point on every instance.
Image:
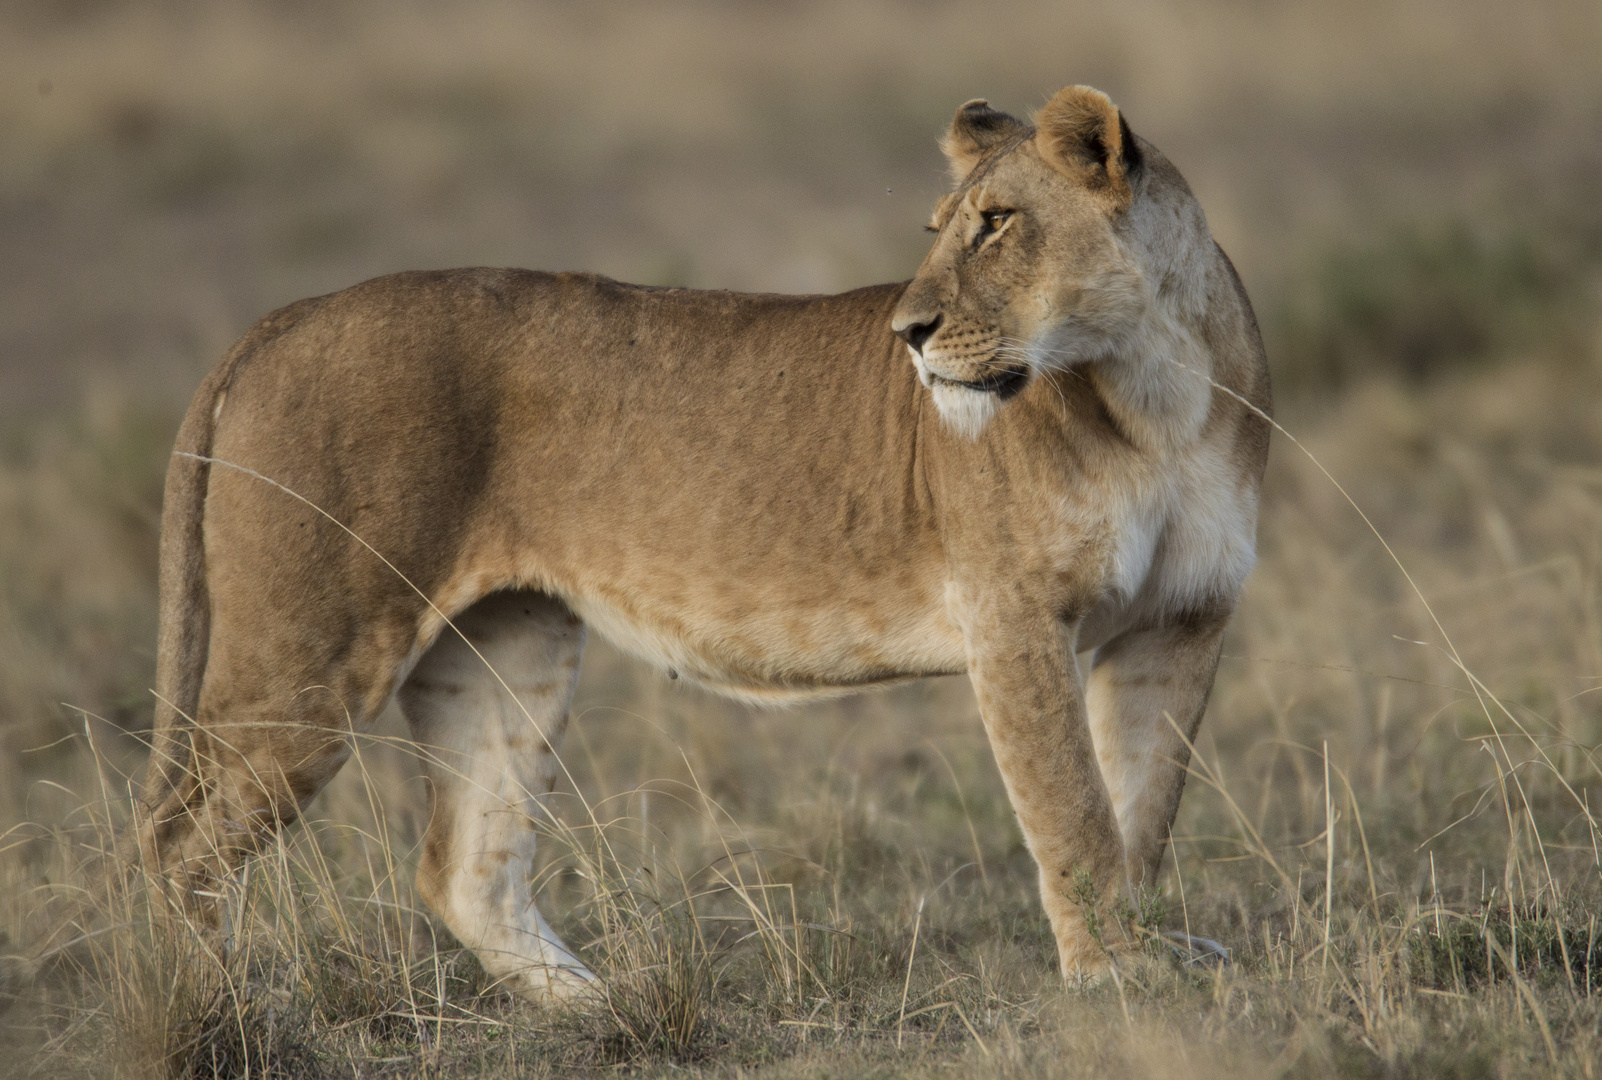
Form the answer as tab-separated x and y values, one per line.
762	492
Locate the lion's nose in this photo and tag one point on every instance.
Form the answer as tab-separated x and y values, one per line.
915	334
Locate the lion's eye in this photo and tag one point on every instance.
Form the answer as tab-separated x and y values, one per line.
995	219
989	222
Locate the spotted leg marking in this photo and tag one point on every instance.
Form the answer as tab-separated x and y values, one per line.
490	759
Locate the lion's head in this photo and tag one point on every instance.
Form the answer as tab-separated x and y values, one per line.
1044	255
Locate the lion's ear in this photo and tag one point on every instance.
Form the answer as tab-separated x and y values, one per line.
977	128
1082	134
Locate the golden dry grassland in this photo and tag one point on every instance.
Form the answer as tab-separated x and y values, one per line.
1393	817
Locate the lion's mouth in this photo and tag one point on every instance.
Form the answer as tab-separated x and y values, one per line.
1004	384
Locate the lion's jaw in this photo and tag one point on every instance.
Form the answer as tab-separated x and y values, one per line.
966	405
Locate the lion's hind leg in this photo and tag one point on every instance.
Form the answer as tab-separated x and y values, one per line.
488	720
250	764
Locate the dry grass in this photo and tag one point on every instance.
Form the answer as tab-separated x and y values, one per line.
1393	816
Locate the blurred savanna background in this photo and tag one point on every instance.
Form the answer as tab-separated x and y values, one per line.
1392	821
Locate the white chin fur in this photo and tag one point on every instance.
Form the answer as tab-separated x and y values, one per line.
965	411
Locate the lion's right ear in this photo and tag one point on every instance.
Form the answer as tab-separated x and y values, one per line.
976	129
1082	134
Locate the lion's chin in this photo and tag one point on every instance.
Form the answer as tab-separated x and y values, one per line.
964	410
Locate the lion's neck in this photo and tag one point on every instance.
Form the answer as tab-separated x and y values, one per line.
1157	383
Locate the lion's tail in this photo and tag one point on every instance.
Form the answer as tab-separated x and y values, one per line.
184	613
184	610
184	606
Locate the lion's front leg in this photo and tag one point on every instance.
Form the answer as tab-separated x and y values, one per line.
1148	690
1022	665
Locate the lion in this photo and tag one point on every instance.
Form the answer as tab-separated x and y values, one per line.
432	486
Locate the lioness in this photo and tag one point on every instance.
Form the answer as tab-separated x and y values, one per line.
433	484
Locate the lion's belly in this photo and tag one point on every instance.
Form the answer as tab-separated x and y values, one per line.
779	653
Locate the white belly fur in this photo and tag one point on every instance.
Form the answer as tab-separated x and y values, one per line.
832	654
